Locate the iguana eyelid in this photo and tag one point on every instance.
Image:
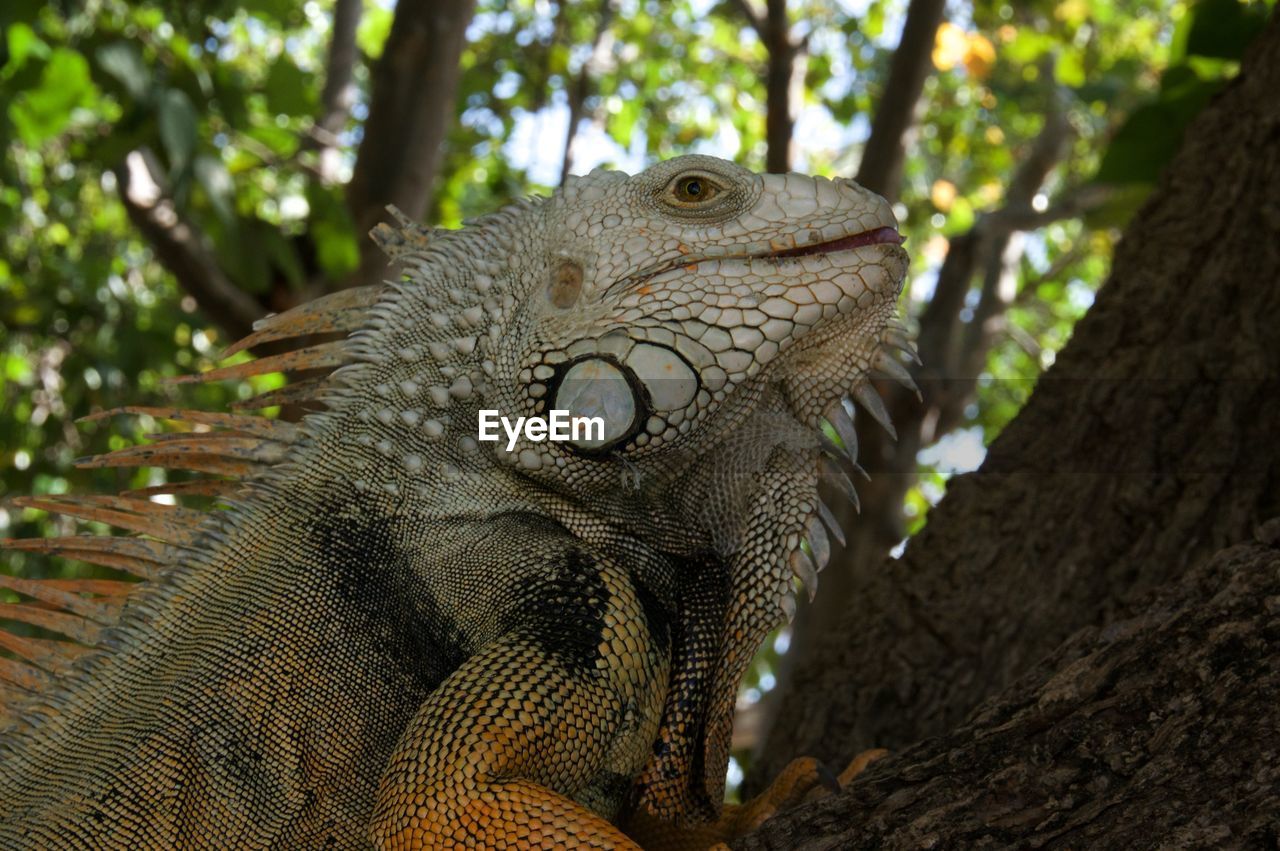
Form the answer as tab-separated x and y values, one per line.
672	192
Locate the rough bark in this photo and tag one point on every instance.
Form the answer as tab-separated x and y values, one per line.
1148	446
413	86
1160	730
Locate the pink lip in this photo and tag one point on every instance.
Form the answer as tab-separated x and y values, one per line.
879	236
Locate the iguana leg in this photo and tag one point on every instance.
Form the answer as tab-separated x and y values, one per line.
859	764
563	707
794	784
787	790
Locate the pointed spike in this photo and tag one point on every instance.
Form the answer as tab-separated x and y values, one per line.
300	393
404	237
113	589
788	606
842	421
22	675
802	566
134	555
899	340
244	452
100	611
168	523
196	487
344	310
52	656
819	544
889	366
402	218
270	429
832	523
319	356
869	398
832	473
72	626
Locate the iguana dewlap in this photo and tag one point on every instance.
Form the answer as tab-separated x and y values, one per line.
394	634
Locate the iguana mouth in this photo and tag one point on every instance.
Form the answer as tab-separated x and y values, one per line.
884	235
877	236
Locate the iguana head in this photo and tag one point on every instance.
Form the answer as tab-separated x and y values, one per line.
668	303
699	310
712	318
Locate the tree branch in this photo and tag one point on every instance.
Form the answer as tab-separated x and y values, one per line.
883	155
953	349
339	92
581	86
183	249
779	78
411	107
753	16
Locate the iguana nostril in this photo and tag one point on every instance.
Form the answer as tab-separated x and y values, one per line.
566	284
597	388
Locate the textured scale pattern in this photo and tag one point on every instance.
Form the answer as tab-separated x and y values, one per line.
392	634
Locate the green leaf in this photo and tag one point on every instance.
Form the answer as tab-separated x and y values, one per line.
178	126
1120	206
336	248
1223	28
284	257
374	28
216	181
229	90
1069	68
23	43
280	140
43	112
332	231
1152	133
279	12
288	89
123	61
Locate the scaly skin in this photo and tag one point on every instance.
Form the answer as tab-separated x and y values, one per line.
398	636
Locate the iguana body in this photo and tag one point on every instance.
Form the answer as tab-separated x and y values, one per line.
396	635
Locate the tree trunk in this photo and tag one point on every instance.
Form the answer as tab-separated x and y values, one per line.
886	147
1160	730
413	88
1150	445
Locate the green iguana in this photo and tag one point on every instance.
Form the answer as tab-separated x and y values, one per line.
393	634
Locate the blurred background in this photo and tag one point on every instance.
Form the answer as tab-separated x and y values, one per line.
172	171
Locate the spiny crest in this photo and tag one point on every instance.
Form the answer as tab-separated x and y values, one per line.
234	451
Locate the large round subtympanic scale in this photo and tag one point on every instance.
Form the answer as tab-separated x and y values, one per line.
668	379
597	388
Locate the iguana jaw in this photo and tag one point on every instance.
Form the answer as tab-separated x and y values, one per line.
878	236
781	247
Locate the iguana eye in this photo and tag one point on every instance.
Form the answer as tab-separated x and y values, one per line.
694	189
